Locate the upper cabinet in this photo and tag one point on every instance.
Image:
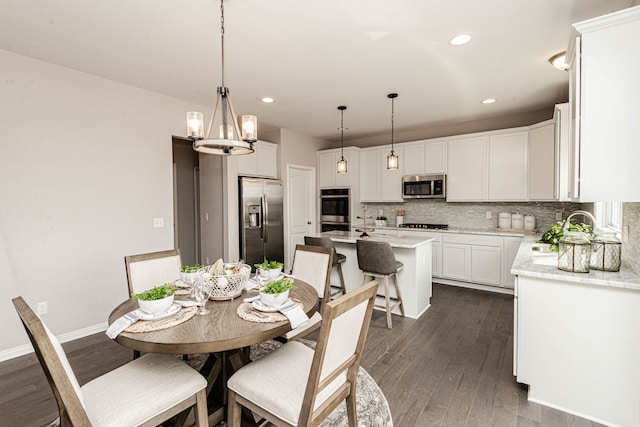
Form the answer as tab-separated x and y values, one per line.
542	161
263	162
377	183
508	176
604	93
328	176
425	157
468	169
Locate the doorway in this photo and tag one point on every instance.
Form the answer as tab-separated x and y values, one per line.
301	197
186	201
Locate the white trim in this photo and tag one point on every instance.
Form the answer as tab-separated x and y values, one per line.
471	285
69	336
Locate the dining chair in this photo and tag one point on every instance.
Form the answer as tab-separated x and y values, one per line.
144	392
144	271
312	264
338	260
376	259
306	385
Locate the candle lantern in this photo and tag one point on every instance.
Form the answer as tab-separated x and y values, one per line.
574	252
606	252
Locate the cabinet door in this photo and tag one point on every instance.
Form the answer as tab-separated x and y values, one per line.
467	161
327	169
456	261
414	159
510	246
370	175
248	163
267	165
391	180
542	164
485	265
436	259
435	157
508	166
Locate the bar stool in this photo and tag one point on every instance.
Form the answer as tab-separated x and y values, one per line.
376	259
338	259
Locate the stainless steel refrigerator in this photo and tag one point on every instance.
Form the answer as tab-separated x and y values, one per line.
261	223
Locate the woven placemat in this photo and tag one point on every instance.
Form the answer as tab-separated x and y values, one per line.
247	312
183	291
167	322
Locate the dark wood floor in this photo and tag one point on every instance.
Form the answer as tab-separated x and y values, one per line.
452	367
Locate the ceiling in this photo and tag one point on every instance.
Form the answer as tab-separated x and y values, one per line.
312	56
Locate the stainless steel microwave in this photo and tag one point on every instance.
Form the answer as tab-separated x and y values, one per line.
424	186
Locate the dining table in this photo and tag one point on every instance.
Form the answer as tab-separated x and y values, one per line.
221	334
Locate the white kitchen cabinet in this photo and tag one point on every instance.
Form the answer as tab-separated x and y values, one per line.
542	161
510	246
467	160
435	152
604	91
486	267
328	177
456	261
414	158
562	120
508	175
377	184
262	162
436	248
473	258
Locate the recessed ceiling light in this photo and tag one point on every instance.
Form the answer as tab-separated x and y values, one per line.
489	101
460	39
267	100
559	61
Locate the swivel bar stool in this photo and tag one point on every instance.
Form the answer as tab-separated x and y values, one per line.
338	259
376	259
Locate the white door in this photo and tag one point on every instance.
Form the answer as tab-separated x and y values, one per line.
301	203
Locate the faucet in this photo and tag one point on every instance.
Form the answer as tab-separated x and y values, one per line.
586	214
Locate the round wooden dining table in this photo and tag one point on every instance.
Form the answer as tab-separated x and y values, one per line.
221	333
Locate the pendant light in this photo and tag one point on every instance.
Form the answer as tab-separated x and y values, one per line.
392	158
226	139
342	163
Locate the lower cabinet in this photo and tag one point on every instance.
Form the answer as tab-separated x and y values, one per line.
436	248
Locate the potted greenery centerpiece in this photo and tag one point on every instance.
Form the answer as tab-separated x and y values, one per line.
269	269
276	292
381	221
552	235
157	299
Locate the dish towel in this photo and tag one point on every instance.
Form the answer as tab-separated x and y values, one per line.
296	315
121	324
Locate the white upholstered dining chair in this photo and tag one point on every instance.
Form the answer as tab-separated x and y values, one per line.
303	386
144	392
144	271
312	264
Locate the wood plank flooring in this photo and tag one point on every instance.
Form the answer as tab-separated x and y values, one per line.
452	367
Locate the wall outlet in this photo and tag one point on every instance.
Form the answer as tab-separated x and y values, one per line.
558	215
380	212
207	260
158	222
488	215
42	308
206	217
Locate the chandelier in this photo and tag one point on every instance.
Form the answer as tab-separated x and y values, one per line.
229	139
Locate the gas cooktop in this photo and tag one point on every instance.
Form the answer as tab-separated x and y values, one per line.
428	226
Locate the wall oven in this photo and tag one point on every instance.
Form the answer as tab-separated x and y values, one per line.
424	186
335	209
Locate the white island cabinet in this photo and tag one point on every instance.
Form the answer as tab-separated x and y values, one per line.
414	279
576	340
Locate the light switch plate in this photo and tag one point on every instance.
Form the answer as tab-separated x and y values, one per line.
158	222
488	215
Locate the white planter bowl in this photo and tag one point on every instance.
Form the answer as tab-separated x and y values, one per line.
156	306
274	300
270	274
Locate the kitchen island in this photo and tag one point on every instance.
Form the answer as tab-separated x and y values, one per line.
575	338
414	279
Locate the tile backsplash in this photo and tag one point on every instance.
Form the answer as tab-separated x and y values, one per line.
472	215
631	246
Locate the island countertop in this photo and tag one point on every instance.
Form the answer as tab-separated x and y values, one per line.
545	266
407	242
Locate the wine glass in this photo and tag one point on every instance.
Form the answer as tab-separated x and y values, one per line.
202	290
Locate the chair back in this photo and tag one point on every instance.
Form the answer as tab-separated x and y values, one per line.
145	271
312	264
56	367
376	257
324	242
336	361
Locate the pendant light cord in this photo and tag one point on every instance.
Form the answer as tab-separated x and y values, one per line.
222	36
342	134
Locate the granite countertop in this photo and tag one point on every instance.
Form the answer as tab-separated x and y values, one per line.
407	242
463	230
545	266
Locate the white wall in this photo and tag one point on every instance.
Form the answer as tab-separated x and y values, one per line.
85	166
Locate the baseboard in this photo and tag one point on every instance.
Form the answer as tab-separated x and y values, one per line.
470	285
569	411
69	336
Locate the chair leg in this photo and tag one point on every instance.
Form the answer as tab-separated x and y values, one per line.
341	276
202	418
387	301
234	415
395	279
352	414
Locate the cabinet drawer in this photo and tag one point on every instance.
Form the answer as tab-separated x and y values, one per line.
472	239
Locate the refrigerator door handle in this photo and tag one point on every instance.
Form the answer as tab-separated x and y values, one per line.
265	218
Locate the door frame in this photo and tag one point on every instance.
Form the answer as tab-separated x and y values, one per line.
311	193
